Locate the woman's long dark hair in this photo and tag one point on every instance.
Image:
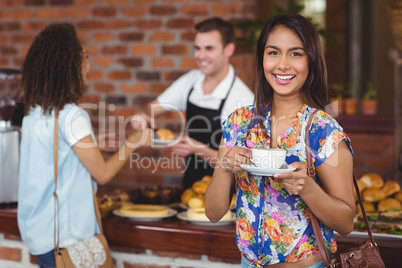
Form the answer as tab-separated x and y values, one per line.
314	90
52	70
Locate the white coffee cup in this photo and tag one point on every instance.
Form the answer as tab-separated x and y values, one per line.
268	158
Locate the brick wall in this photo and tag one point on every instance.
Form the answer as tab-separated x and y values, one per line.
136	48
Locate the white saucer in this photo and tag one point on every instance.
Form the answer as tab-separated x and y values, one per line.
183	216
171	213
265	172
162	142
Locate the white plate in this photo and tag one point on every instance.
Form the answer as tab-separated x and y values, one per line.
364	235
162	142
183	216
265	172
171	213
181	205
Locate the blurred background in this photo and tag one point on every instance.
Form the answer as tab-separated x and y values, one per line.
137	48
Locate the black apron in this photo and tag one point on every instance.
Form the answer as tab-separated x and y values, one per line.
203	125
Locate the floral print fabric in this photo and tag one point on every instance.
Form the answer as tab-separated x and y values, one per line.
271	225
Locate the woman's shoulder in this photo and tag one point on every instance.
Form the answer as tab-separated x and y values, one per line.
243	113
322	119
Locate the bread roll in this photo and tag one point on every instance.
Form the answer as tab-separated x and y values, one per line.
362	186
196	202
206	179
372	180
165	134
200	187
373	195
398	196
186	195
367	205
389	204
391	187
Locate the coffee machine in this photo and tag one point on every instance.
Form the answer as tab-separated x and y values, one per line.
9	135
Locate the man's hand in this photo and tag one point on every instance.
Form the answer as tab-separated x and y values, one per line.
186	146
141	121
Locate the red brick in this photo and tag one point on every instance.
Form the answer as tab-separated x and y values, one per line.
143	50
8	50
137	88
116	24
119	75
4	63
106	11
3	14
134	11
87	2
144	1
117	49
34	2
173	75
116	2
157	88
3	39
19	61
188	36
10	254
224	260
91	49
90	99
103	62
162	37
188	64
163	10
9	26
33	259
180	23
175	49
49	13
33	26
104	87
22	38
176	1
131	36
162	63
194	10
102	37
382	163
95	75
22	14
148	24
75	12
11	3
61	2
131	62
90	25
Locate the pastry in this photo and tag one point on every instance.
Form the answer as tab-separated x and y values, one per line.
165	134
373	195
198	214
196	202
144	210
362	186
187	194
367	206
389	204
398	196
372	180
391	187
200	187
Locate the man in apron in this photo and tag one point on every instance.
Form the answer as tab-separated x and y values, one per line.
208	95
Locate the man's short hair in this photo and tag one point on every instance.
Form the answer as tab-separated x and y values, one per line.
225	28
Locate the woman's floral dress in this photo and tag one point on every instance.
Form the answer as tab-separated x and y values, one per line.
271	225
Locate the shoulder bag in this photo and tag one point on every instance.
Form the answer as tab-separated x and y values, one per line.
92	252
364	256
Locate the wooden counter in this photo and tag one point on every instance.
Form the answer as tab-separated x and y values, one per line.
175	235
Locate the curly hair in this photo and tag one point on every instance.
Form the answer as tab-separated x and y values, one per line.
52	70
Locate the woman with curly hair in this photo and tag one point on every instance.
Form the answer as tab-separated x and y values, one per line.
273	213
54	77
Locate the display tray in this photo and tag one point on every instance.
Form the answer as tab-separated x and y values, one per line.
363	235
163	142
183	216
171	213
183	206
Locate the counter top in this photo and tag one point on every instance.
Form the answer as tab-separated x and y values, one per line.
175	235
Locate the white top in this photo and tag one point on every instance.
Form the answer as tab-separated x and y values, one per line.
174	98
36	180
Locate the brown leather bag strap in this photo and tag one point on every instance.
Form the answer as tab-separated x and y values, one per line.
56	200
316	227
